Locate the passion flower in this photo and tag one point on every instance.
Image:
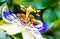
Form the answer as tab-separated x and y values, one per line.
26	24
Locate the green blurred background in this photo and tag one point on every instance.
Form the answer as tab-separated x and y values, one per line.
50	13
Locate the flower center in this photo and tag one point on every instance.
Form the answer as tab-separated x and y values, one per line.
27	18
27	21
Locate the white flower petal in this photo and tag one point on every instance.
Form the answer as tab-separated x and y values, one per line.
27	35
12	29
35	32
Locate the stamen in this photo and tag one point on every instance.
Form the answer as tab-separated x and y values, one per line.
31	16
22	16
28	10
33	21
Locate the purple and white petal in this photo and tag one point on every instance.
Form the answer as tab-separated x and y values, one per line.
11	17
45	28
42	27
35	33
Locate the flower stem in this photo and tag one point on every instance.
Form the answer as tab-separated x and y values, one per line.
13	36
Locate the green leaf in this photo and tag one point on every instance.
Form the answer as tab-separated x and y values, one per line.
50	16
57	35
50	37
3	35
57	31
2	0
18	36
0	15
57	11
11	8
0	9
38	4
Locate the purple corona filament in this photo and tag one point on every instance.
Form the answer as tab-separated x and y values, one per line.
45	27
41	29
11	16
